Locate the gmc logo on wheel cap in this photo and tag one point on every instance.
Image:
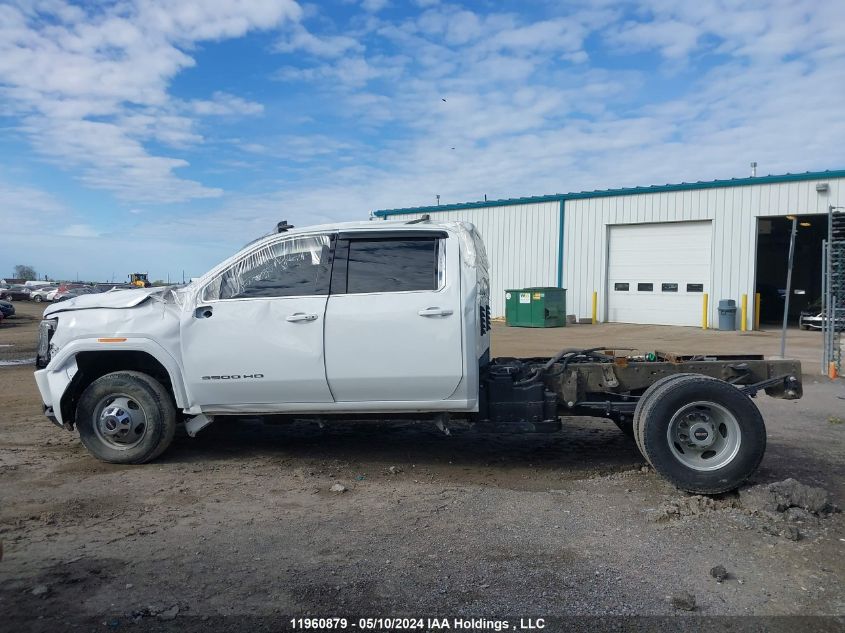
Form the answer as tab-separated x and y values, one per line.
701	434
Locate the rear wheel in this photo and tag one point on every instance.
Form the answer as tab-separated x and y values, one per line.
702	434
126	417
647	398
38	299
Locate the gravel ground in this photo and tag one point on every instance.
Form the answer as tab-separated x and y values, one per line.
239	527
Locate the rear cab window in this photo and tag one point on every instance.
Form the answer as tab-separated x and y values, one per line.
398	263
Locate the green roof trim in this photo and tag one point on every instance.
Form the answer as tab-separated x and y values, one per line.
628	191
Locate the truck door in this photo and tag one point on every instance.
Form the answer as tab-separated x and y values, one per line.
255	335
393	320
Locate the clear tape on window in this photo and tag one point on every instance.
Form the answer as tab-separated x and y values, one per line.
267	262
475	255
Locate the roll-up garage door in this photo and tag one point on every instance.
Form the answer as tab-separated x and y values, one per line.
657	273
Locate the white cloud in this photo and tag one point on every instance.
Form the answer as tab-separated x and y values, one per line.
674	39
759	31
374	6
79	230
24	207
223	104
352	72
90	85
300	39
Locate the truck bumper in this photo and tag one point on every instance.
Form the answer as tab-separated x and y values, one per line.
52	384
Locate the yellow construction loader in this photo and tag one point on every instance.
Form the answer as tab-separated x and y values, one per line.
139	279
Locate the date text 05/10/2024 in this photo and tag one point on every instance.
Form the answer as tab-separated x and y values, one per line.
417	624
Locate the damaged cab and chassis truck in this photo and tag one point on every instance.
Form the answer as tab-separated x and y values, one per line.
369	320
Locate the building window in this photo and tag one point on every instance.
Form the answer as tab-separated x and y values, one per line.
669	287
641	287
695	287
620	287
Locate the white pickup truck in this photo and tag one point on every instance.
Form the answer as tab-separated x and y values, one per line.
376	319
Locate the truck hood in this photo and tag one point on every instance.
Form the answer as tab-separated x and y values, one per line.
114	299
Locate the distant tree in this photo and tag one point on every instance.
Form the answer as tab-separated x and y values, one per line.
27	273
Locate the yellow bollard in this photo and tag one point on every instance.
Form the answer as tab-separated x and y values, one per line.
595	306
757	311
704	297
744	313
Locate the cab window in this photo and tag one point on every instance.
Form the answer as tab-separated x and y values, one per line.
297	266
393	265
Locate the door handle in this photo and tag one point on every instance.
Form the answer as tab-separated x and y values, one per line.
427	312
203	312
300	316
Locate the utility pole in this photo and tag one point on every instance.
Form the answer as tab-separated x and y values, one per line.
788	285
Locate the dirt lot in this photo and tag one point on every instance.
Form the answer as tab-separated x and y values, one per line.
240	522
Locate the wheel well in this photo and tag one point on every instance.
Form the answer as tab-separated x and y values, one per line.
93	365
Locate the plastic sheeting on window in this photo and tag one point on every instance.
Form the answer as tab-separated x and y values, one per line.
297	259
474	255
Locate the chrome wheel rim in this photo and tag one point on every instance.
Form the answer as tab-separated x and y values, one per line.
704	436
120	421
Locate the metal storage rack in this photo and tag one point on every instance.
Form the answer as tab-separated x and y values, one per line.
834	290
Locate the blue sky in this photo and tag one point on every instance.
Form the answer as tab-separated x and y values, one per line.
161	135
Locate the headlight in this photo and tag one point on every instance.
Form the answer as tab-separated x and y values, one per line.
45	334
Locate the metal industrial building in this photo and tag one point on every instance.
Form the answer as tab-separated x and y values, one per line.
651	253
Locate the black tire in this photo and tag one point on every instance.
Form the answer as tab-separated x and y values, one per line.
38	299
152	399
672	396
647	398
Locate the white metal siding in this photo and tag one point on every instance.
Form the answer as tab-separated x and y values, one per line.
644	257
733	211
521	241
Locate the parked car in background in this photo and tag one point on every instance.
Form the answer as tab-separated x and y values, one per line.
813	318
7	309
66	285
44	293
816	321
73	292
107	287
16	293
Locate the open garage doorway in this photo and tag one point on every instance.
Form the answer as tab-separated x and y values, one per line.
772	254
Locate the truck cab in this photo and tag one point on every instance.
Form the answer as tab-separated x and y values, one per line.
381	317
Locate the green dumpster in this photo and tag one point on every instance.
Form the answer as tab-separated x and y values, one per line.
535	307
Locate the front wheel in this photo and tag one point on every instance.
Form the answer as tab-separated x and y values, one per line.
702	434
126	417
38	299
